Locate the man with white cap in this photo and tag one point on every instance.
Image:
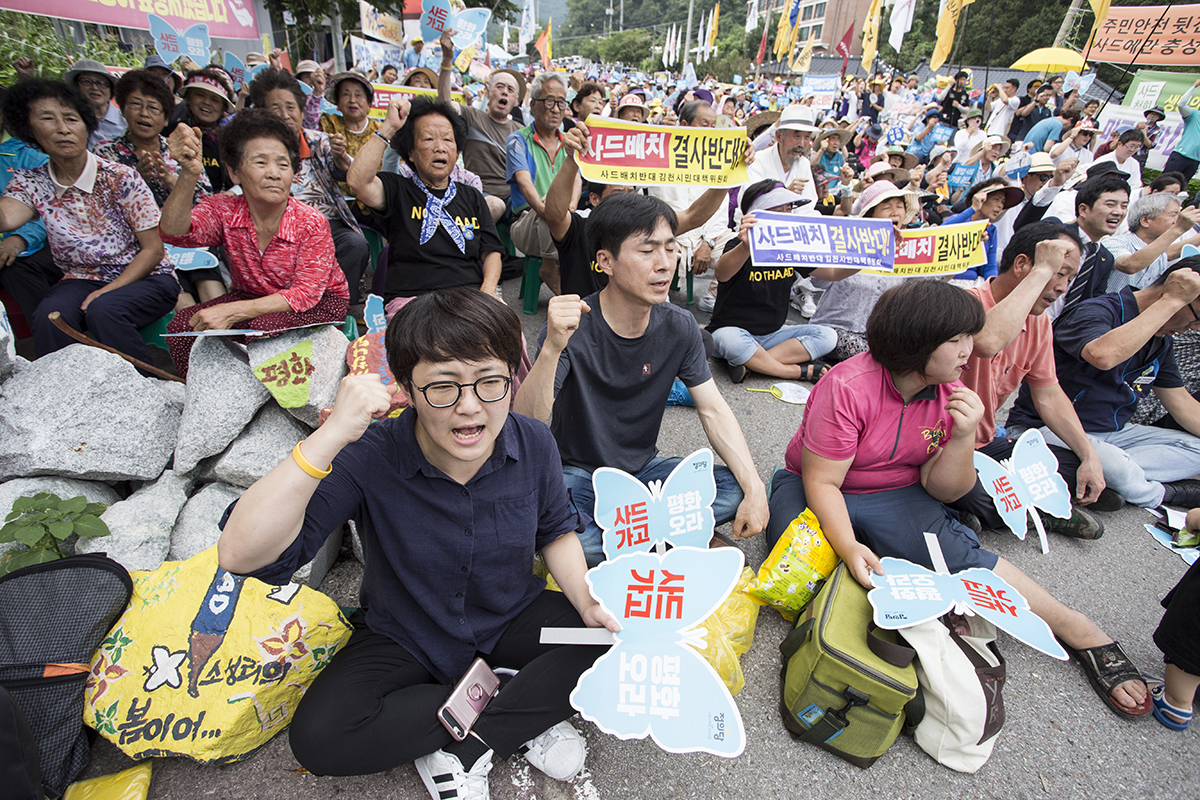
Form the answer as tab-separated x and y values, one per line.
986	153
92	79
787	162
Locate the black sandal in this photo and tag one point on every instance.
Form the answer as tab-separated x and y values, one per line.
814	371
1107	667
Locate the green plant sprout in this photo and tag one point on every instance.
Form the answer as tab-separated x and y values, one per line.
41	522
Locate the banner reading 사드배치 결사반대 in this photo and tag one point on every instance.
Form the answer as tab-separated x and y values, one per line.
657	155
940	250
790	240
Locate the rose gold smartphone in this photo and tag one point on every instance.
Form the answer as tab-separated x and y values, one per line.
468	699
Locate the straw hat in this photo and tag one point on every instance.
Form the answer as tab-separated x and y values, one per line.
879	191
332	89
1041	162
992	141
759	122
1012	194
910	159
426	71
844	136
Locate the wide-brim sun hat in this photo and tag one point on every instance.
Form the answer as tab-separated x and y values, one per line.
779	196
89	65
992	141
910	159
798	118
879	191
1012	194
337	80
879	170
844	136
207	84
1156	110
305	66
1041	162
426	71
759	122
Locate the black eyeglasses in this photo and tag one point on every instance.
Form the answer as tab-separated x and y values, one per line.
443	394
551	102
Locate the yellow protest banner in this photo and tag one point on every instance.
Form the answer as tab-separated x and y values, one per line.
658	155
384	93
947	23
870	40
943	250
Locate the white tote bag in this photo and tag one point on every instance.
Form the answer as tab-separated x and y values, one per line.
962	679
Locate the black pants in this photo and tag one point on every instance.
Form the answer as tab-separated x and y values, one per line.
375	707
353	255
29	279
979	502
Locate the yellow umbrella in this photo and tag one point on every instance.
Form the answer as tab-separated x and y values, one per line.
1050	59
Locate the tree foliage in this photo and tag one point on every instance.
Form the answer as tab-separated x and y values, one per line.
34	37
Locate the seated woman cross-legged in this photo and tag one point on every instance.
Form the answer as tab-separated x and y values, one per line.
459	495
279	250
101	224
888	437
752	304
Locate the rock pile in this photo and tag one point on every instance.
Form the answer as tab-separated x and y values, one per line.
168	459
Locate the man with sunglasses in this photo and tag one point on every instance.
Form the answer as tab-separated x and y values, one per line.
535	155
1109	352
455	497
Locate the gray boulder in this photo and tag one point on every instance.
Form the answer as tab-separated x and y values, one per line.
176	393
140	527
222	397
324	349
196	528
86	413
8	346
267	440
312	573
65	488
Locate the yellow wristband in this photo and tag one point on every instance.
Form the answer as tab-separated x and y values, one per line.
302	462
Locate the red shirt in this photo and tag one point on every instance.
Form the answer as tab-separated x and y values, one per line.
1029	358
298	264
855	412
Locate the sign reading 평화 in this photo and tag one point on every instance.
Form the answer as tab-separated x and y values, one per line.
657	155
652	682
784	240
635	517
171	44
1027	481
907	594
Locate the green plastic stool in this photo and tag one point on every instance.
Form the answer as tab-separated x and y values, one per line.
675	284
502	228
152	334
531	284
350	328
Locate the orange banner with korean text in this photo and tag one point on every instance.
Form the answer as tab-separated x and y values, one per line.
658	155
1152	34
944	250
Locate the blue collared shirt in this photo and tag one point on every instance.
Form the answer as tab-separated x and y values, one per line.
15	154
448	566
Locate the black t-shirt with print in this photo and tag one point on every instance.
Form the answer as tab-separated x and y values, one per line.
577	270
755	299
415	268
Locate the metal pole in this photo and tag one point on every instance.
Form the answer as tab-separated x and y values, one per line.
687	38
622	15
1068	23
339	50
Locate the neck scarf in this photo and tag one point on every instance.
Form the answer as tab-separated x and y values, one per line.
435	214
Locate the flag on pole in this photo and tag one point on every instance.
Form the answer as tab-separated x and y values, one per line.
803	59
1100	9
714	22
752	17
545	46
901	20
870	42
783	31
843	48
762	47
702	41
947	23
525	32
504	39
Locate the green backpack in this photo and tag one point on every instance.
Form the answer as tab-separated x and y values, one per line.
845	682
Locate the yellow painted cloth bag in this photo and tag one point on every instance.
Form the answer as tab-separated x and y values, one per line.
731	633
798	564
206	664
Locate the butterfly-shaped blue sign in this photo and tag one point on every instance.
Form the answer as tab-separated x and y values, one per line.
468	24
374	314
907	594
171	44
236	69
634	517
1025	482
187	258
652	682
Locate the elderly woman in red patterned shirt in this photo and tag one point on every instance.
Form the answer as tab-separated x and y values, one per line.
280	251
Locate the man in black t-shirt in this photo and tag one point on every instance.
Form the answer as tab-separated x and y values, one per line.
955	100
607	365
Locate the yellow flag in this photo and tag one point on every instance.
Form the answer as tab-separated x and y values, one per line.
716	19
1100	9
803	60
782	34
870	40
947	23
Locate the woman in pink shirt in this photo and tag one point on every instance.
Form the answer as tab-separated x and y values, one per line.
888	437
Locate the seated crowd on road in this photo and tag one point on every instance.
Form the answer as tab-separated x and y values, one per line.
1084	314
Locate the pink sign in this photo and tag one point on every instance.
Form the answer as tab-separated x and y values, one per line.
230	19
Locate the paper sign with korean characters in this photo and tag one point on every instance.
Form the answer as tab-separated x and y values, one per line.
907	594
634	517
786	240
658	155
1025	482
652	682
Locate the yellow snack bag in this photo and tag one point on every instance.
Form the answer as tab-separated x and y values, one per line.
798	564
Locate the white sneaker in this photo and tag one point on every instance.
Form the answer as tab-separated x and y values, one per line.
808	306
559	752
708	300
445	778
